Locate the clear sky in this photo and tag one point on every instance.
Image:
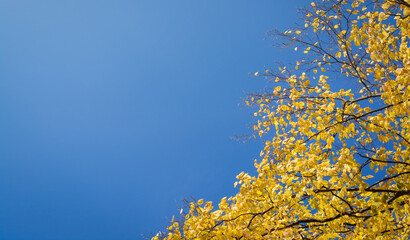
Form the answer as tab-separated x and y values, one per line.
113	111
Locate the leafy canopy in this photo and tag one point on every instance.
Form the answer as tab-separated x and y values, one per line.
336	162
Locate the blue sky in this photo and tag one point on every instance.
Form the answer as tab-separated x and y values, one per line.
113	111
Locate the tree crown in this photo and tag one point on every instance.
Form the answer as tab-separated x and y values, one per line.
336	162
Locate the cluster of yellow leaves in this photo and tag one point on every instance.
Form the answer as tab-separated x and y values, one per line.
337	162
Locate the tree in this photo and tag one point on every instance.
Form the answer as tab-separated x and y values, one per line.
336	162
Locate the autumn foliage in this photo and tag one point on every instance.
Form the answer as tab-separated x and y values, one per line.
336	160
